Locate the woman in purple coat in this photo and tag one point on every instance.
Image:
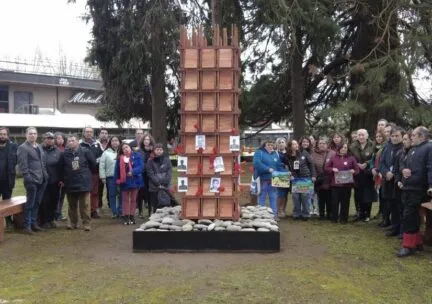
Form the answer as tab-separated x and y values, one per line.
342	167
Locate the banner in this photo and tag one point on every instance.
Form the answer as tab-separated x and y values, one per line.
302	185
343	177
281	179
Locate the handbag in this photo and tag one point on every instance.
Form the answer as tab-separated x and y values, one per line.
255	186
163	198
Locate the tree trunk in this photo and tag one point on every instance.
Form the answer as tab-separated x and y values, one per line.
159	105
297	84
374	44
216	12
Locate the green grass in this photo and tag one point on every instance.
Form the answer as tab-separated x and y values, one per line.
319	263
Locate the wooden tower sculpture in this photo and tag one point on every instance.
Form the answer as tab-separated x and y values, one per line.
210	145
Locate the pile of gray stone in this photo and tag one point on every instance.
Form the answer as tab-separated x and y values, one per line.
252	218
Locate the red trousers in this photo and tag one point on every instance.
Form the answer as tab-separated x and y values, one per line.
129	201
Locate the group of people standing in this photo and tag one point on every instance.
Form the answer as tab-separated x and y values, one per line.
394	168
80	169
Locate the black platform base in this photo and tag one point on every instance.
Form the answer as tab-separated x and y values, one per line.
206	241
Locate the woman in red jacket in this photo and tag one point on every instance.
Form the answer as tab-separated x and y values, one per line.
342	167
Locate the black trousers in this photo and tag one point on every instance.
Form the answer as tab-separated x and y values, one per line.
143	196
363	207
48	207
387	210
357	200
395	213
153	201
411	201
324	203
340	198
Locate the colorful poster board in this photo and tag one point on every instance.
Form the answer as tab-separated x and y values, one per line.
281	179
302	185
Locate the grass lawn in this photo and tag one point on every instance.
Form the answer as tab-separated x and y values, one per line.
319	263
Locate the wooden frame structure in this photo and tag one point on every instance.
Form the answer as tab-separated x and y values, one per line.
209	107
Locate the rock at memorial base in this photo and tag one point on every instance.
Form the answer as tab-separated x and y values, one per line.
226	223
162	230
166	227
152	224
211	227
274	228
205	222
200	226
247	216
140	229
151	229
177	223
219	229
248	230
175	228
233	228
219	223
263	230
251	208
187	227
236	223
167	221
160	211
259	224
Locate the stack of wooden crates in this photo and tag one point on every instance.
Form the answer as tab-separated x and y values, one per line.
209	106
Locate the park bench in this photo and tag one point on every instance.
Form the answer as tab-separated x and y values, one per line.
426	213
13	206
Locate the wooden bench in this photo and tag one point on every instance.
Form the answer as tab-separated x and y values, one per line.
426	213
13	206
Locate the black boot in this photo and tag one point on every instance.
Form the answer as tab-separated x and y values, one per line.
132	220
36	228
126	220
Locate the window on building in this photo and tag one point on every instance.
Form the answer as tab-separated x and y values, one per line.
22	100
4	99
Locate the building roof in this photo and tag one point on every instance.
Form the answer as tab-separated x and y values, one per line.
65	121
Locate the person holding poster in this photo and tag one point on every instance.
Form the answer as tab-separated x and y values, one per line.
342	167
301	166
265	161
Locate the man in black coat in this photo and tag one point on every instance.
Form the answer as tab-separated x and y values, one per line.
95	149
78	166
8	161
415	184
51	195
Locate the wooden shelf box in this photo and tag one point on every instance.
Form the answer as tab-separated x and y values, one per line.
208	58
191	208
209	208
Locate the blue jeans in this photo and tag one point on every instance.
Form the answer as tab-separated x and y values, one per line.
112	195
31	208
268	189
301	205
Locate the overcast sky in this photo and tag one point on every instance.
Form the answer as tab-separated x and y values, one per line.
47	25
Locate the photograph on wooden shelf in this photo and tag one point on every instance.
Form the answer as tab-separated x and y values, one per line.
215	184
234	143
219	164
182	164
182	185
200	142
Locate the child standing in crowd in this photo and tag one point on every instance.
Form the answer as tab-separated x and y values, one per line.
340	188
265	161
301	165
106	173
128	174
282	192
159	171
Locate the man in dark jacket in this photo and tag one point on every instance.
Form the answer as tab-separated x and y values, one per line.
32	164
8	161
389	191
95	149
78	165
416	182
159	171
52	191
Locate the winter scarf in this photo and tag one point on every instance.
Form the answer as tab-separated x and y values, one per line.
123	171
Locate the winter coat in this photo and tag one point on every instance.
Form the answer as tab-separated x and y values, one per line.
11	162
135	181
263	161
32	163
159	172
94	147
419	161
77	167
389	163
306	164
342	163
53	164
364	180
107	163
146	154
320	159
